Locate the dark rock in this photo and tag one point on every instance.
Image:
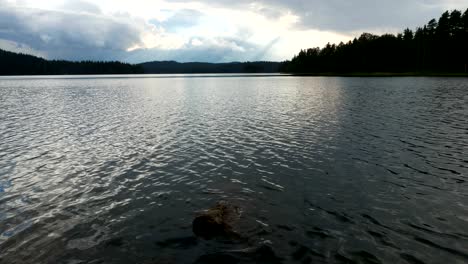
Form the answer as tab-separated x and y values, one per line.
216	221
208	227
266	254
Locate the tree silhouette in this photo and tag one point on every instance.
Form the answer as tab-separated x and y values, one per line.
441	46
22	64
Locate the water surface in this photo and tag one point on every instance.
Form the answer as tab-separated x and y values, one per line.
326	170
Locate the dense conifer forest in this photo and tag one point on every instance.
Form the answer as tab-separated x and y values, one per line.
22	64
441	46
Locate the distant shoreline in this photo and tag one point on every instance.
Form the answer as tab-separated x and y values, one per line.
145	75
243	74
382	74
14	64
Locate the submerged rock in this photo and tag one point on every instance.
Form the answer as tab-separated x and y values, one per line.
216	221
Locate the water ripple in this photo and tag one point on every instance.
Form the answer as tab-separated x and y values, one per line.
325	170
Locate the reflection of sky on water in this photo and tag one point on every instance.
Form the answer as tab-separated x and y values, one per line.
313	159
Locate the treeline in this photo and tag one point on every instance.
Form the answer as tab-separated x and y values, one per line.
204	67
441	46
22	64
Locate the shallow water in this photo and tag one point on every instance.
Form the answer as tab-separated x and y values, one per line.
326	170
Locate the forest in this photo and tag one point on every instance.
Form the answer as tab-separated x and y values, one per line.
440	46
22	64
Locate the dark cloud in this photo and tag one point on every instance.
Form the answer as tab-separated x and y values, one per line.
345	15
364	14
70	35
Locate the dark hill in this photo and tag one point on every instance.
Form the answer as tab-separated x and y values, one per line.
204	67
21	64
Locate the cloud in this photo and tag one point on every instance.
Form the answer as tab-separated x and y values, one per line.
181	19
51	30
81	6
220	49
84	32
345	15
80	34
20	48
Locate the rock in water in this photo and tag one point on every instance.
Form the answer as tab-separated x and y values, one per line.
216	221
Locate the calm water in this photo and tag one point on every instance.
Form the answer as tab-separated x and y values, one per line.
326	170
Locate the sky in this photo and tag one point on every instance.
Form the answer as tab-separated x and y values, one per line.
204	30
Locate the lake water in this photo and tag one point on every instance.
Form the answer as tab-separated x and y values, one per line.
325	170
